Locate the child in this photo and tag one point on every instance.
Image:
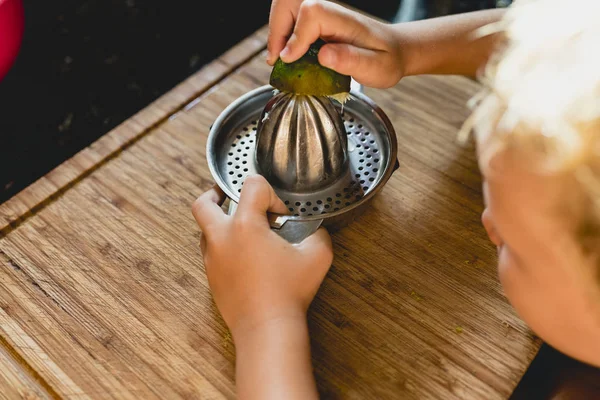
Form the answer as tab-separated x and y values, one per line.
537	128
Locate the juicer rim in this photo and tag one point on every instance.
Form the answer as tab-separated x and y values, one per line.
282	218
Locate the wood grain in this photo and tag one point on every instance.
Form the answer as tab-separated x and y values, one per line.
103	290
17	380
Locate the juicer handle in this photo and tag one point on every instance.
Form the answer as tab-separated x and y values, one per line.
291	230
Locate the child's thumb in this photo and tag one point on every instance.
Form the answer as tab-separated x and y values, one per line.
362	64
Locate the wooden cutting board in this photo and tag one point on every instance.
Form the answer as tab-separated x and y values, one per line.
102	286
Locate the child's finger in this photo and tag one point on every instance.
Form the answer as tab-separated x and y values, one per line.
281	25
257	198
317	19
207	208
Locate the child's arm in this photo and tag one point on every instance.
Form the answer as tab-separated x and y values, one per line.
273	361
379	54
445	45
263	286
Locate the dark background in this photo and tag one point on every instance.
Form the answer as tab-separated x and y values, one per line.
86	66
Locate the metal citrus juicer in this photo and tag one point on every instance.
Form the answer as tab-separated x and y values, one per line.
325	160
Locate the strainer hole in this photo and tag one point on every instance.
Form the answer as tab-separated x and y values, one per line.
359	145
338	195
239	150
369	164
251	141
365	188
310	215
230	153
371	179
245	155
367	133
296	215
360	168
362	181
375	169
303	209
347	196
322	212
245	169
375	150
240	175
248	135
239	137
361	160
245	129
244	162
237	167
239	190
327	206
315	208
329	199
351	120
363	140
338	202
230	172
366	173
335	209
357	175
372	141
360	153
298	203
287	202
347	203
360	126
247	148
319	202
369	156
291	209
376	160
237	159
234	182
308	203
229	163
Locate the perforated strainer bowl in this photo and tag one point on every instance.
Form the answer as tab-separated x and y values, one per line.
372	151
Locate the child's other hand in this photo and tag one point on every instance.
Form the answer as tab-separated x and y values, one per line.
255	275
364	48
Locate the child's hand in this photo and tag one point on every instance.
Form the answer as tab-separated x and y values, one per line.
255	275
364	48
379	54
281	24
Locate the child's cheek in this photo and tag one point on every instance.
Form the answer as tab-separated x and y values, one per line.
518	288
510	275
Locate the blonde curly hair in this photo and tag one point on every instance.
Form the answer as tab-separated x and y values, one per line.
541	95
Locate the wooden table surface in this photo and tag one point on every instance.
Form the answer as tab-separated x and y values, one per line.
103	292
